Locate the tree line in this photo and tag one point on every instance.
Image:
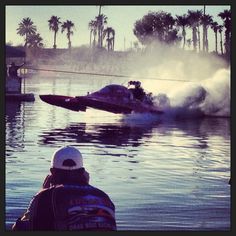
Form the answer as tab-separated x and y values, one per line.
164	27
98	32
161	26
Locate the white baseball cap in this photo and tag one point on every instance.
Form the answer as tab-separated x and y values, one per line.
67	158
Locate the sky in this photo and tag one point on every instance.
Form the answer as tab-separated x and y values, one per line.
120	18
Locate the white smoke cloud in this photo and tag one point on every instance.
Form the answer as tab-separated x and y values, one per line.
161	68
207	91
217	102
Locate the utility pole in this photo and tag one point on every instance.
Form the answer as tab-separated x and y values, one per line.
100	7
204	30
99	26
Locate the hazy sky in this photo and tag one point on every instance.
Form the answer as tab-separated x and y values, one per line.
121	18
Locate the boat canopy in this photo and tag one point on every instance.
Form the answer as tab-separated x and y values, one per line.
114	90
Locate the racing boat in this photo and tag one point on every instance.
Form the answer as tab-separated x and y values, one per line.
112	98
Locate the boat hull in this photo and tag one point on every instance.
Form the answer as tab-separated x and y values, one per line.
67	102
80	103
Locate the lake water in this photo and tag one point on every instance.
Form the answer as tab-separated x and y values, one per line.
161	174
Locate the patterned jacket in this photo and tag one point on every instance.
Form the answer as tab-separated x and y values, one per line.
69	207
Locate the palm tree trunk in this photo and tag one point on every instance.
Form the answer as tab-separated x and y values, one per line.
108	41
216	41
204	39
194	38
227	42
101	37
90	39
54	45
69	42
98	36
94	40
221	43
25	45
184	36
207	48
199	43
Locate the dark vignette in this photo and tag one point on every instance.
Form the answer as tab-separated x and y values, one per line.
4	3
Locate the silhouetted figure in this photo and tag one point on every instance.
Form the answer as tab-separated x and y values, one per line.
137	91
12	71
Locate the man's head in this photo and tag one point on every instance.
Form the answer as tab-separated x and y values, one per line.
67	165
13	63
67	158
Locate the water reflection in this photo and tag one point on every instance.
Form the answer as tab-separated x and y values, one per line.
106	134
12	111
210	167
206	127
14	118
132	135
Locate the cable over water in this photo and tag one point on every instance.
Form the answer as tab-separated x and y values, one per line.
103	74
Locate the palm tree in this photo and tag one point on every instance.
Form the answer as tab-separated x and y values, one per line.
35	41
220	29
101	21
68	25
156	26
206	21
110	32
53	24
182	21
226	17
90	26
193	22
93	30
214	26
26	28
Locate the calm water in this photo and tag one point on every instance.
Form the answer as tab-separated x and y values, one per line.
161	174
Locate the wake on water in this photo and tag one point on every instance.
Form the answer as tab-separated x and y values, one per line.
210	97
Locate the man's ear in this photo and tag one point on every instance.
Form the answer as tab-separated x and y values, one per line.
86	175
52	170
